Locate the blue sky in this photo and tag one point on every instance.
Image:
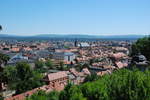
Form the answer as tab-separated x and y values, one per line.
100	17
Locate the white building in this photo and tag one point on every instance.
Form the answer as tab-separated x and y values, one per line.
66	56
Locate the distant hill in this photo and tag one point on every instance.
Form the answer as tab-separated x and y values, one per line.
74	36
90	36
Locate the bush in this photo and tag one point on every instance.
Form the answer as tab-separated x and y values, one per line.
122	84
142	46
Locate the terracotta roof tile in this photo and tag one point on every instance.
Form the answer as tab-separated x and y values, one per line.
58	75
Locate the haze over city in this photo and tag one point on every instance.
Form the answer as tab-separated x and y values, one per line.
98	17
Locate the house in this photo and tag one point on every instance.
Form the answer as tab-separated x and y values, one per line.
68	56
121	49
78	77
101	73
42	53
118	56
15	49
83	44
120	64
65	56
57	80
19	58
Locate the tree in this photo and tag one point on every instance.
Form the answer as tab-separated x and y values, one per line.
95	90
49	64
9	74
122	84
22	78
61	63
143	46
71	92
76	60
1	98
134	49
75	94
39	64
63	66
3	59
85	65
54	95
64	94
92	77
91	61
129	85
23	70
40	95
79	67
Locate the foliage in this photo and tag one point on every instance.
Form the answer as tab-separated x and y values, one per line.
39	64
54	95
63	66
131	85
85	65
21	77
3	59
40	67
49	64
61	63
9	74
1	98
142	46
91	61
79	67
40	95
64	94
92	77
122	84
95	91
76	60
66	46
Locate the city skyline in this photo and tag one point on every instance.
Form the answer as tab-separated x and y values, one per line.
97	17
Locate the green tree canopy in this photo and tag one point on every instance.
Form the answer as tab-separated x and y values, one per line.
122	84
142	46
21	77
49	64
3	58
92	77
40	95
54	95
39	64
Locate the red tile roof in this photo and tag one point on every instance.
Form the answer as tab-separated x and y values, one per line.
74	72
46	88
119	55
121	65
58	75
